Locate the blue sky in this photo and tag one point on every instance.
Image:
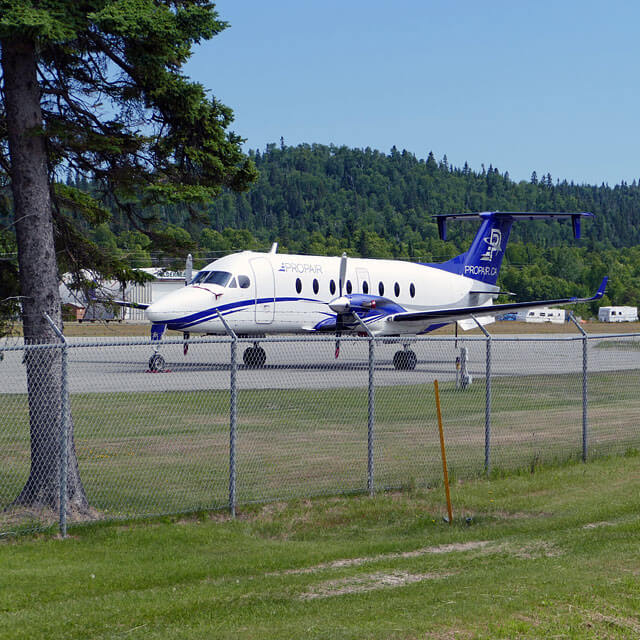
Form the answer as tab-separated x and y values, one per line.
545	86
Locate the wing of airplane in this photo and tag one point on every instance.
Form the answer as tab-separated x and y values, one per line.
373	308
120	303
460	313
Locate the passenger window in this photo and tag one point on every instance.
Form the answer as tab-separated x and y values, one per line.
316	286
349	287
298	285
381	288
244	282
412	290
396	289
365	287
332	287
232	284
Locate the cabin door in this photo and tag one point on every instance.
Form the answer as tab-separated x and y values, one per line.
264	290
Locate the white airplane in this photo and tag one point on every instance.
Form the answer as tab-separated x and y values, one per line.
255	294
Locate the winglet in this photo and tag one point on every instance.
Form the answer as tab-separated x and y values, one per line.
442	227
575	224
601	288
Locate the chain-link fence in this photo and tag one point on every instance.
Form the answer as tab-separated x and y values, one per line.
214	429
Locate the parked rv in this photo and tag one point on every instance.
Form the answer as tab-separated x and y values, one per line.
618	314
557	316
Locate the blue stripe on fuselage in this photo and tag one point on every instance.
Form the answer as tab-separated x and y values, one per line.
200	317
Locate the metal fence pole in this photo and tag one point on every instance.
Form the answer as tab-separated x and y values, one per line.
487	411
371	419
233	424
487	406
64	428
233	414
371	410
585	407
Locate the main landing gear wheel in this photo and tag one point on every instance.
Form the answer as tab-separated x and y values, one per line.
405	360
156	362
254	357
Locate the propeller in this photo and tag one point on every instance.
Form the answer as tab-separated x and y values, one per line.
188	276
185	346
340	313
188	270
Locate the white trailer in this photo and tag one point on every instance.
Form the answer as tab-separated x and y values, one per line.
618	314
557	316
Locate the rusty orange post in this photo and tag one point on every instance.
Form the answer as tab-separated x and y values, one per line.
444	455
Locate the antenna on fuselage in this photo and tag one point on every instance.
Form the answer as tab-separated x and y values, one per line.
274	248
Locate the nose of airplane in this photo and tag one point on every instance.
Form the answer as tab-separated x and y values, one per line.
181	303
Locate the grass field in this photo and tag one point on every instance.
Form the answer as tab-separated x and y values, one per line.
157	453
549	554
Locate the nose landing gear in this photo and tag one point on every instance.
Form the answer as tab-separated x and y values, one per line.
156	363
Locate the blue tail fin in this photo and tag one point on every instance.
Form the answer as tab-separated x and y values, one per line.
483	259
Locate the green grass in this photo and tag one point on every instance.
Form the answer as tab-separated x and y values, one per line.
624	345
553	553
154	453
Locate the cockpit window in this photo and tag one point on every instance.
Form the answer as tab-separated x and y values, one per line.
212	277
232	284
244	282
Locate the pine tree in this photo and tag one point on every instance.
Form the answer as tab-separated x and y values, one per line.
97	88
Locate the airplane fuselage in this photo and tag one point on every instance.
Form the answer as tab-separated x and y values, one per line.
260	293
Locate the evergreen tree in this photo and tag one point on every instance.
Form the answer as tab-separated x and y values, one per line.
97	88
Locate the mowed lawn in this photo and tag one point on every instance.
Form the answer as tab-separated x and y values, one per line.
160	453
549	553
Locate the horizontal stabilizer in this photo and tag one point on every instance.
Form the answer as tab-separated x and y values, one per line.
121	303
513	215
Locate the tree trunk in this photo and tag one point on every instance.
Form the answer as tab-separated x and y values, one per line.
38	281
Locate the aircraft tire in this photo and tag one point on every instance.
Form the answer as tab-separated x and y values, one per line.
254	357
156	362
405	360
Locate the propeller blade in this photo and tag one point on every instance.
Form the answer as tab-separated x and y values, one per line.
185	346
340	310
188	270
343	272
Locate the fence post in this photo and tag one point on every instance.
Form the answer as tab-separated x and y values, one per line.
64	428
487	407
371	419
585	407
233	414
371	409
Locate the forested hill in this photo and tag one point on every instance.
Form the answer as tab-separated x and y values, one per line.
320	199
339	192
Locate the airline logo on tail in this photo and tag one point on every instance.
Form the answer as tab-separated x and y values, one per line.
495	244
